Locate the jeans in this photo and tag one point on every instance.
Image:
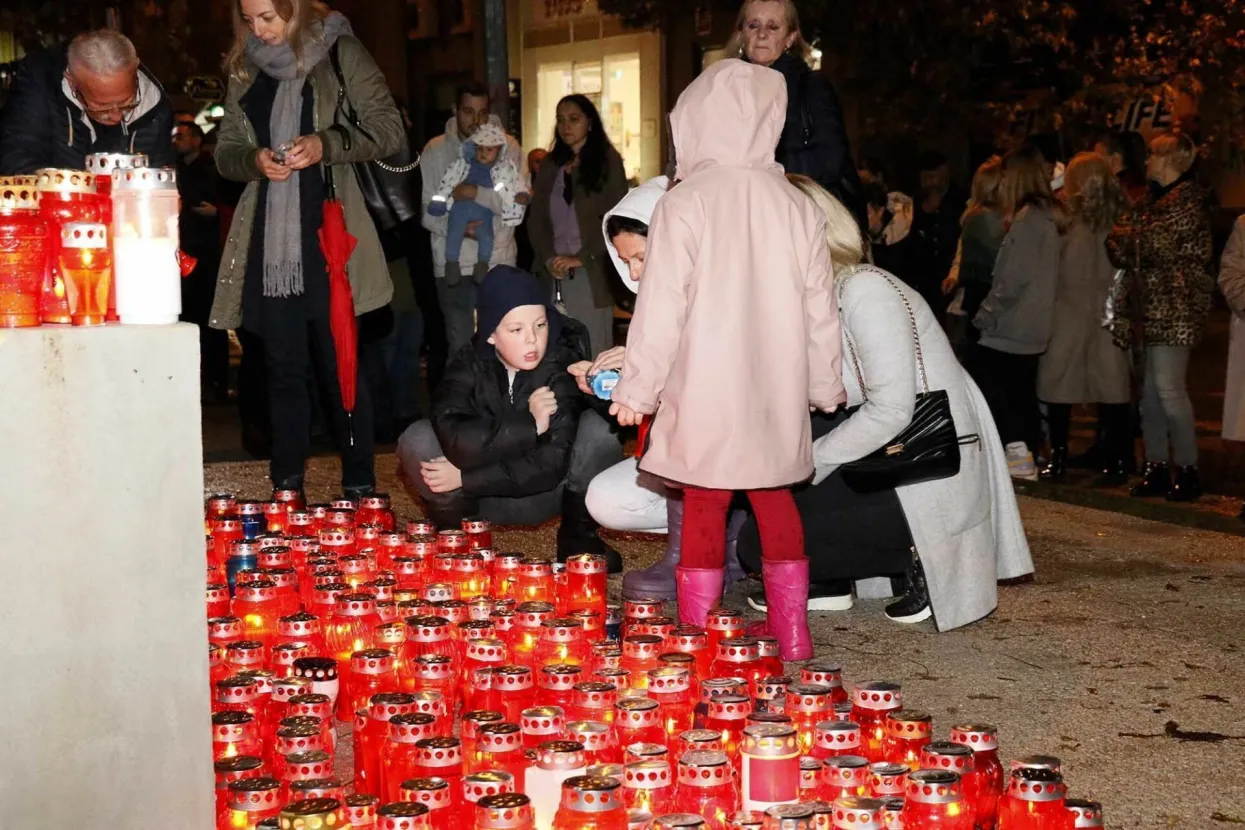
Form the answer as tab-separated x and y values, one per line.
456	226
1009	384
401	356
596	448
458	306
294	349
1166	411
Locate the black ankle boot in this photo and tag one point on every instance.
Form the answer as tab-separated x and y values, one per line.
1155	481
359	491
914	606
1057	468
578	533
1114	474
1186	487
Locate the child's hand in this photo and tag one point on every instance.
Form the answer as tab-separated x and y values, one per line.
580	372
441	476
627	417
543	405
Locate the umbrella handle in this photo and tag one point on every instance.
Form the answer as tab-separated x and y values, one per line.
330	186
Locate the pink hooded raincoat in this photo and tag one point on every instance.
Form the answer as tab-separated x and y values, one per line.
736	328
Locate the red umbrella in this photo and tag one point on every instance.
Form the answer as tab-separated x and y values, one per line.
338	244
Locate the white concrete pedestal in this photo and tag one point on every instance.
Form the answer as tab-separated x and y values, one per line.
104	699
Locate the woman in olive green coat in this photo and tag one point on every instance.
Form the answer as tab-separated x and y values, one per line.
279	136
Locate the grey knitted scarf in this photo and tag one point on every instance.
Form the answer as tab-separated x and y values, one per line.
283	229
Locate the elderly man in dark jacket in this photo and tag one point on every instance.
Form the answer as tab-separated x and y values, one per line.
509	438
90	97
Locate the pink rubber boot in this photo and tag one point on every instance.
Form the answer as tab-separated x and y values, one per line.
786	595
700	591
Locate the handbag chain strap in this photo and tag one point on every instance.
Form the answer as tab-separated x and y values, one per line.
916	339
347	109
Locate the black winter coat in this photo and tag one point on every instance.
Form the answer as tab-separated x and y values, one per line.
814	141
486	430
41	127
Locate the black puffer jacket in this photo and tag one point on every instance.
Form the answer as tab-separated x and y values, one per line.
814	141
42	127
484	425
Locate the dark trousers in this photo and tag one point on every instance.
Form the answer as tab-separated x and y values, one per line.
1009	384
198	289
847	535
298	352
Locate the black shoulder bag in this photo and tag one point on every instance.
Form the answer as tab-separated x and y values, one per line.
386	183
927	449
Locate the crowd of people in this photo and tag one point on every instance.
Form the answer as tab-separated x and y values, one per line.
793	315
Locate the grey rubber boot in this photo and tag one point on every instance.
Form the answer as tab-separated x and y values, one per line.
657	581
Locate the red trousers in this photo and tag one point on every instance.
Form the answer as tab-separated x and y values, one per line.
704	525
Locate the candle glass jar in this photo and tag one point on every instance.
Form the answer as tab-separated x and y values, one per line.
403	815
770	767
372	672
86	269
707	788
888	780
145	208
352	627
542	724
65	196
556	762
586	576
370	741
23	252
480	655
649	786
513	690
1086	815
859	814
535	582
500	746
433	793
739	657
1034	801
933	799
227	771
671	687
442	758
591	803
251	800
957	758
469	576
319	708
983	739
399	757
640	653
638	720
712	688
872	701
529	617
478	785
470	724
257	605
833	738
723	624
679	821
907	732
302	629
234	734
844	775
593	701
556	685
727	716
600	744
688	639
506	811
426	636
561	642
771	696
830	675
807	706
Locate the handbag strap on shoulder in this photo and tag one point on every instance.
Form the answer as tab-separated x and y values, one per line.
916	338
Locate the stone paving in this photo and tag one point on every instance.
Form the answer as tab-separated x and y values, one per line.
1123	657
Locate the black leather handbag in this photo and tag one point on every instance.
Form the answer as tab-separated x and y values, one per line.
927	449
386	183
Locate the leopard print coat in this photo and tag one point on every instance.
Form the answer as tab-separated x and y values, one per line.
1166	247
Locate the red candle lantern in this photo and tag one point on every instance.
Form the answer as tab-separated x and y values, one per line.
229	770
302	629
739	657
836	738
1086	815
375	509
535	583
420	527
528	619
218	670
907	732
872	701
1034	801
640	653
479	532
727	716
217	600
469	575
403	815
356	570
606	654
696	740
770	767
251	800
504	623
86	270
771	659
305	765
593	701
957	758
372	672
506	569
361	811
65	196
24	241
586	575
723	624
983	739
671	687
642	751
311	709
789	817
591	803
471	723
707	787
435	794
487	782
427	636
542	724
237	694
662	627
224	630
561	642
844	775
442	757
807	705
400	754
408	571
389	544
679	821
888	780
501	746
507	811
638	720
234	734
810	781
688	639
771	696
600	745
513	690
486	653
715	687
892	811
826	674
859	814
328	587
333	789
933	799
352	626
257	605
284	690
746	820
556	685
638	611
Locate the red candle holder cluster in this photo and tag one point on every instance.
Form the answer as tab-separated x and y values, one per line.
488	691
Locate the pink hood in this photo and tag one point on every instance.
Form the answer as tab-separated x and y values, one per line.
751	99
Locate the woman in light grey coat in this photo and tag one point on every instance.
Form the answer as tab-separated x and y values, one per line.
965	530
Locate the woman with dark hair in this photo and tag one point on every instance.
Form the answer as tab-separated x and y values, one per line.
577	185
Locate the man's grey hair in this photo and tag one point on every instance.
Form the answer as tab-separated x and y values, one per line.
102	52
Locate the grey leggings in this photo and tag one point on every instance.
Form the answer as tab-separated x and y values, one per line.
1166	411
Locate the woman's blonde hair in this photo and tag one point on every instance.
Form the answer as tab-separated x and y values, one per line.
1094	195
1178	146
847	247
735	46
986	189
299	16
1025	184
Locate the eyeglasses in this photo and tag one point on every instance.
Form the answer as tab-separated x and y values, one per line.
123	110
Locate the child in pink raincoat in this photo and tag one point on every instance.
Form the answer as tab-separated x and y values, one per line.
735	336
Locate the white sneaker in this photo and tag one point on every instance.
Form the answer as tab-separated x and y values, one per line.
1020	461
